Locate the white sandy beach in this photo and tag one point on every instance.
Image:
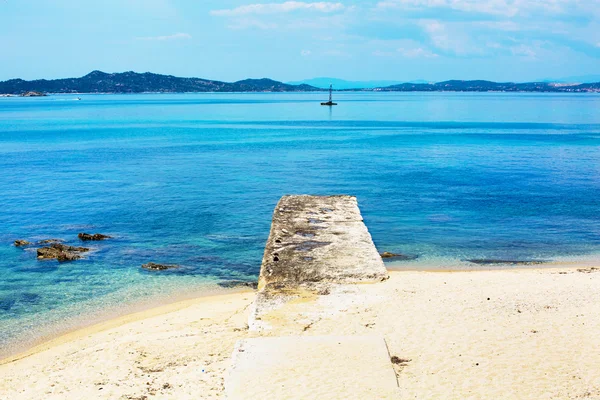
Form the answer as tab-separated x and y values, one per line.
512	334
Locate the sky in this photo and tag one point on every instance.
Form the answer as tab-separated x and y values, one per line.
229	40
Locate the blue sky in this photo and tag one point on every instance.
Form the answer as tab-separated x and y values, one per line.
503	40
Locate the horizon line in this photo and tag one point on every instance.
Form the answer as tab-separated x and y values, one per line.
297	82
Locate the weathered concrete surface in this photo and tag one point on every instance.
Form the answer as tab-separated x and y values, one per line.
312	367
316	243
319	239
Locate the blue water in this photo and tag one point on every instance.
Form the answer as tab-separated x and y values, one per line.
193	179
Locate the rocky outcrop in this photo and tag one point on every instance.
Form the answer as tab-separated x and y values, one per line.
393	256
21	243
490	261
50	241
93	237
158	267
238	284
61	252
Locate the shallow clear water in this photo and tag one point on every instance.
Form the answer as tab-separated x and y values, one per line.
193	179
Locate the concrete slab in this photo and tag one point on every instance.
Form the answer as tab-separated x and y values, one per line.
312	367
319	239
316	242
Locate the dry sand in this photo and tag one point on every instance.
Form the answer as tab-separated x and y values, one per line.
512	334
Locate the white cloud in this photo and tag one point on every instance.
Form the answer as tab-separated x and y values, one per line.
405	48
449	40
245	23
502	7
489	28
175	36
508	8
418	52
523	51
506	26
305	53
278	8
437	33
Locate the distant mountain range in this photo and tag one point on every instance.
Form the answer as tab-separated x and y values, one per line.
132	82
487	86
342	84
576	79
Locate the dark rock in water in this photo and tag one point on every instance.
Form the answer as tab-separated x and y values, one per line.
64	247
238	284
158	267
60	252
48	241
68	256
487	261
47	253
95	236
30	298
392	256
7	303
21	243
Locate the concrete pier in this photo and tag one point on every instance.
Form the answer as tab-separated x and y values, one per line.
318	256
315	244
319	239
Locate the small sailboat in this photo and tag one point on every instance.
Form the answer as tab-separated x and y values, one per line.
330	102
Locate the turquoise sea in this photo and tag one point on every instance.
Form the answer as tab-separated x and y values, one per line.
192	179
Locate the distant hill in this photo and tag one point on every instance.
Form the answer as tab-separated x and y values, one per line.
341	84
577	79
132	82
487	86
269	85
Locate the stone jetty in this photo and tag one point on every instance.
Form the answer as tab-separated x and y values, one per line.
316	243
319	252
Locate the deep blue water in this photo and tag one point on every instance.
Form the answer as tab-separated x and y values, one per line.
193	180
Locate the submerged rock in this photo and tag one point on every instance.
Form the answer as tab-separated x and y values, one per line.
21	243
486	261
95	236
60	252
48	241
158	267
67	256
392	256
238	284
7	303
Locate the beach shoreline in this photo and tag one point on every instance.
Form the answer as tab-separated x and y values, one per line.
164	303
113	317
149	307
517	333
